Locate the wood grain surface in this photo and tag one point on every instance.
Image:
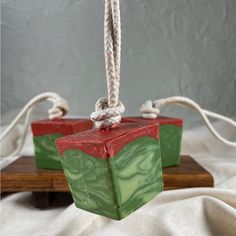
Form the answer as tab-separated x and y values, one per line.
22	175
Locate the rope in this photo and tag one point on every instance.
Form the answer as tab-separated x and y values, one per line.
105	117
108	110
59	109
151	110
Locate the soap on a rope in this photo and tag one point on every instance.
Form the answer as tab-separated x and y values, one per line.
170	137
45	133
113	172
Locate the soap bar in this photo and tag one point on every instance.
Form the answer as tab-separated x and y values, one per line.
45	133
113	172
170	137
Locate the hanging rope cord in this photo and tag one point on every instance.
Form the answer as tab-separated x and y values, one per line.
59	109
151	110
108	109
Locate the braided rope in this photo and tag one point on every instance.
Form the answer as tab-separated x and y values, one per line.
108	111
151	110
59	109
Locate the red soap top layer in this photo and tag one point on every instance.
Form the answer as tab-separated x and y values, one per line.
106	143
162	120
60	126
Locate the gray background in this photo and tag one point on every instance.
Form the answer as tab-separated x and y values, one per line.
169	47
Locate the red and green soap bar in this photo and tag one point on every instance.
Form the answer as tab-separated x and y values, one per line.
170	137
113	172
45	132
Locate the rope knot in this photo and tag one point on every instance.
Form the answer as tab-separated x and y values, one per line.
106	117
60	108
149	110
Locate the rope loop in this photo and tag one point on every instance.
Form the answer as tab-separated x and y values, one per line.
151	110
108	110
59	109
106	117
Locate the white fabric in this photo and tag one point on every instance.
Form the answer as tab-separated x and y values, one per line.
199	211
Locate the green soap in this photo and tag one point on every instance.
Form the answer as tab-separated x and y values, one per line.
46	153
117	186
170	138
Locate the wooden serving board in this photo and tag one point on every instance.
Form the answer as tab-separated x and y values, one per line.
22	175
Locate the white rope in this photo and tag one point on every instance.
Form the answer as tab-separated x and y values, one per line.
59	109
108	110
106	117
152	110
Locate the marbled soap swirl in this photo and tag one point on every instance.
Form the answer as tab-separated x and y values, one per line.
47	156
170	138
117	186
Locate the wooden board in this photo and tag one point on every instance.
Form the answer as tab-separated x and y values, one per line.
22	175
